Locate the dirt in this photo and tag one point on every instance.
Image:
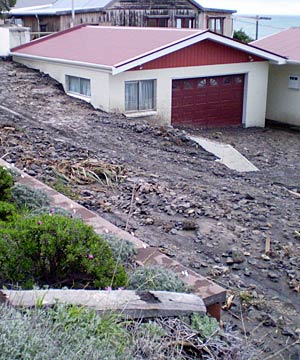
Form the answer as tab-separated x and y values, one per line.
175	196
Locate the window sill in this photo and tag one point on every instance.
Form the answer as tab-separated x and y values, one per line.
79	96
138	114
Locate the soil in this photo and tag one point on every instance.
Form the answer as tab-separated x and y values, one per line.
176	197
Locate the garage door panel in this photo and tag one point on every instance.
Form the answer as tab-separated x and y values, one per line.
208	101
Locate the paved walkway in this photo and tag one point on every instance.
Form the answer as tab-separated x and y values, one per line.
227	154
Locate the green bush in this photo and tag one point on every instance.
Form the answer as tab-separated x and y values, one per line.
122	249
205	325
26	197
156	278
58	251
6	182
7	211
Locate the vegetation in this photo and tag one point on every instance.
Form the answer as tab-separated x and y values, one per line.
7	211
6	5
57	251
242	36
6	182
122	249
156	278
27	198
205	325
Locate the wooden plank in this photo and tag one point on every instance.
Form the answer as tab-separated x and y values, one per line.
133	304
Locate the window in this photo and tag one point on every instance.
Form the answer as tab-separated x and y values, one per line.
184	23
213	82
79	85
43	27
139	95
187	85
216	24
157	22
201	83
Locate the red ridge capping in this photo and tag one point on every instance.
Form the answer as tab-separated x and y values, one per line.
51	36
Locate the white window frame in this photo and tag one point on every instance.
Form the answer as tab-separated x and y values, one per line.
75	93
139	101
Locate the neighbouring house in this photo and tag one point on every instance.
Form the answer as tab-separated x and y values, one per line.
173	76
283	102
12	36
141	13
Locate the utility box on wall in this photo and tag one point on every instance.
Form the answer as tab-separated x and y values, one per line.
12	36
294	82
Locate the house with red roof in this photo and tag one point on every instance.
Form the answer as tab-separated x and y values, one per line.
283	102
183	77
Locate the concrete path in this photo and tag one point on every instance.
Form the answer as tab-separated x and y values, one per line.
227	154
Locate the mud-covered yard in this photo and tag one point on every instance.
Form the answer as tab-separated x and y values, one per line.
173	195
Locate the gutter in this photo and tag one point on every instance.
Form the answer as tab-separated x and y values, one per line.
62	61
293	62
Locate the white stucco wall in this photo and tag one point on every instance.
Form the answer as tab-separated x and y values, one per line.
283	104
18	36
11	37
255	88
108	91
99	79
4	41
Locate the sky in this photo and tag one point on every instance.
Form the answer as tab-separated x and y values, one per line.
258	7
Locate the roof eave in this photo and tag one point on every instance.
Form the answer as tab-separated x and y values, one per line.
293	62
202	8
63	61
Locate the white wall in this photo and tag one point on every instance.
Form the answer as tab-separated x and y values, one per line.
4	41
99	79
108	91
18	36
283	103
255	92
11	37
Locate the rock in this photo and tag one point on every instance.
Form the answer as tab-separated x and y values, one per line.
149	221
237	256
273	276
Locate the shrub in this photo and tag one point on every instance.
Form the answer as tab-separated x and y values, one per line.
122	249
26	197
6	182
56	250
7	211
51	210
156	278
62	333
205	325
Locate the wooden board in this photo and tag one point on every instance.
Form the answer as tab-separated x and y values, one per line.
134	304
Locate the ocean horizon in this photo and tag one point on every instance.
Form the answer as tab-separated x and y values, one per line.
266	27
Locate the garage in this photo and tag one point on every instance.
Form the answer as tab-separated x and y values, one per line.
208	101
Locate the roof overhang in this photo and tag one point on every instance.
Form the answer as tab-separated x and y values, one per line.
106	68
191	40
202	8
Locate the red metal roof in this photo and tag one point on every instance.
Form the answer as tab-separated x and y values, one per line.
104	45
286	43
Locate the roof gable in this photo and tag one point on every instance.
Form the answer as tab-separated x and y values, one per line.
124	48
206	52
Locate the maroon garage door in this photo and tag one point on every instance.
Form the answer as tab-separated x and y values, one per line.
208	101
